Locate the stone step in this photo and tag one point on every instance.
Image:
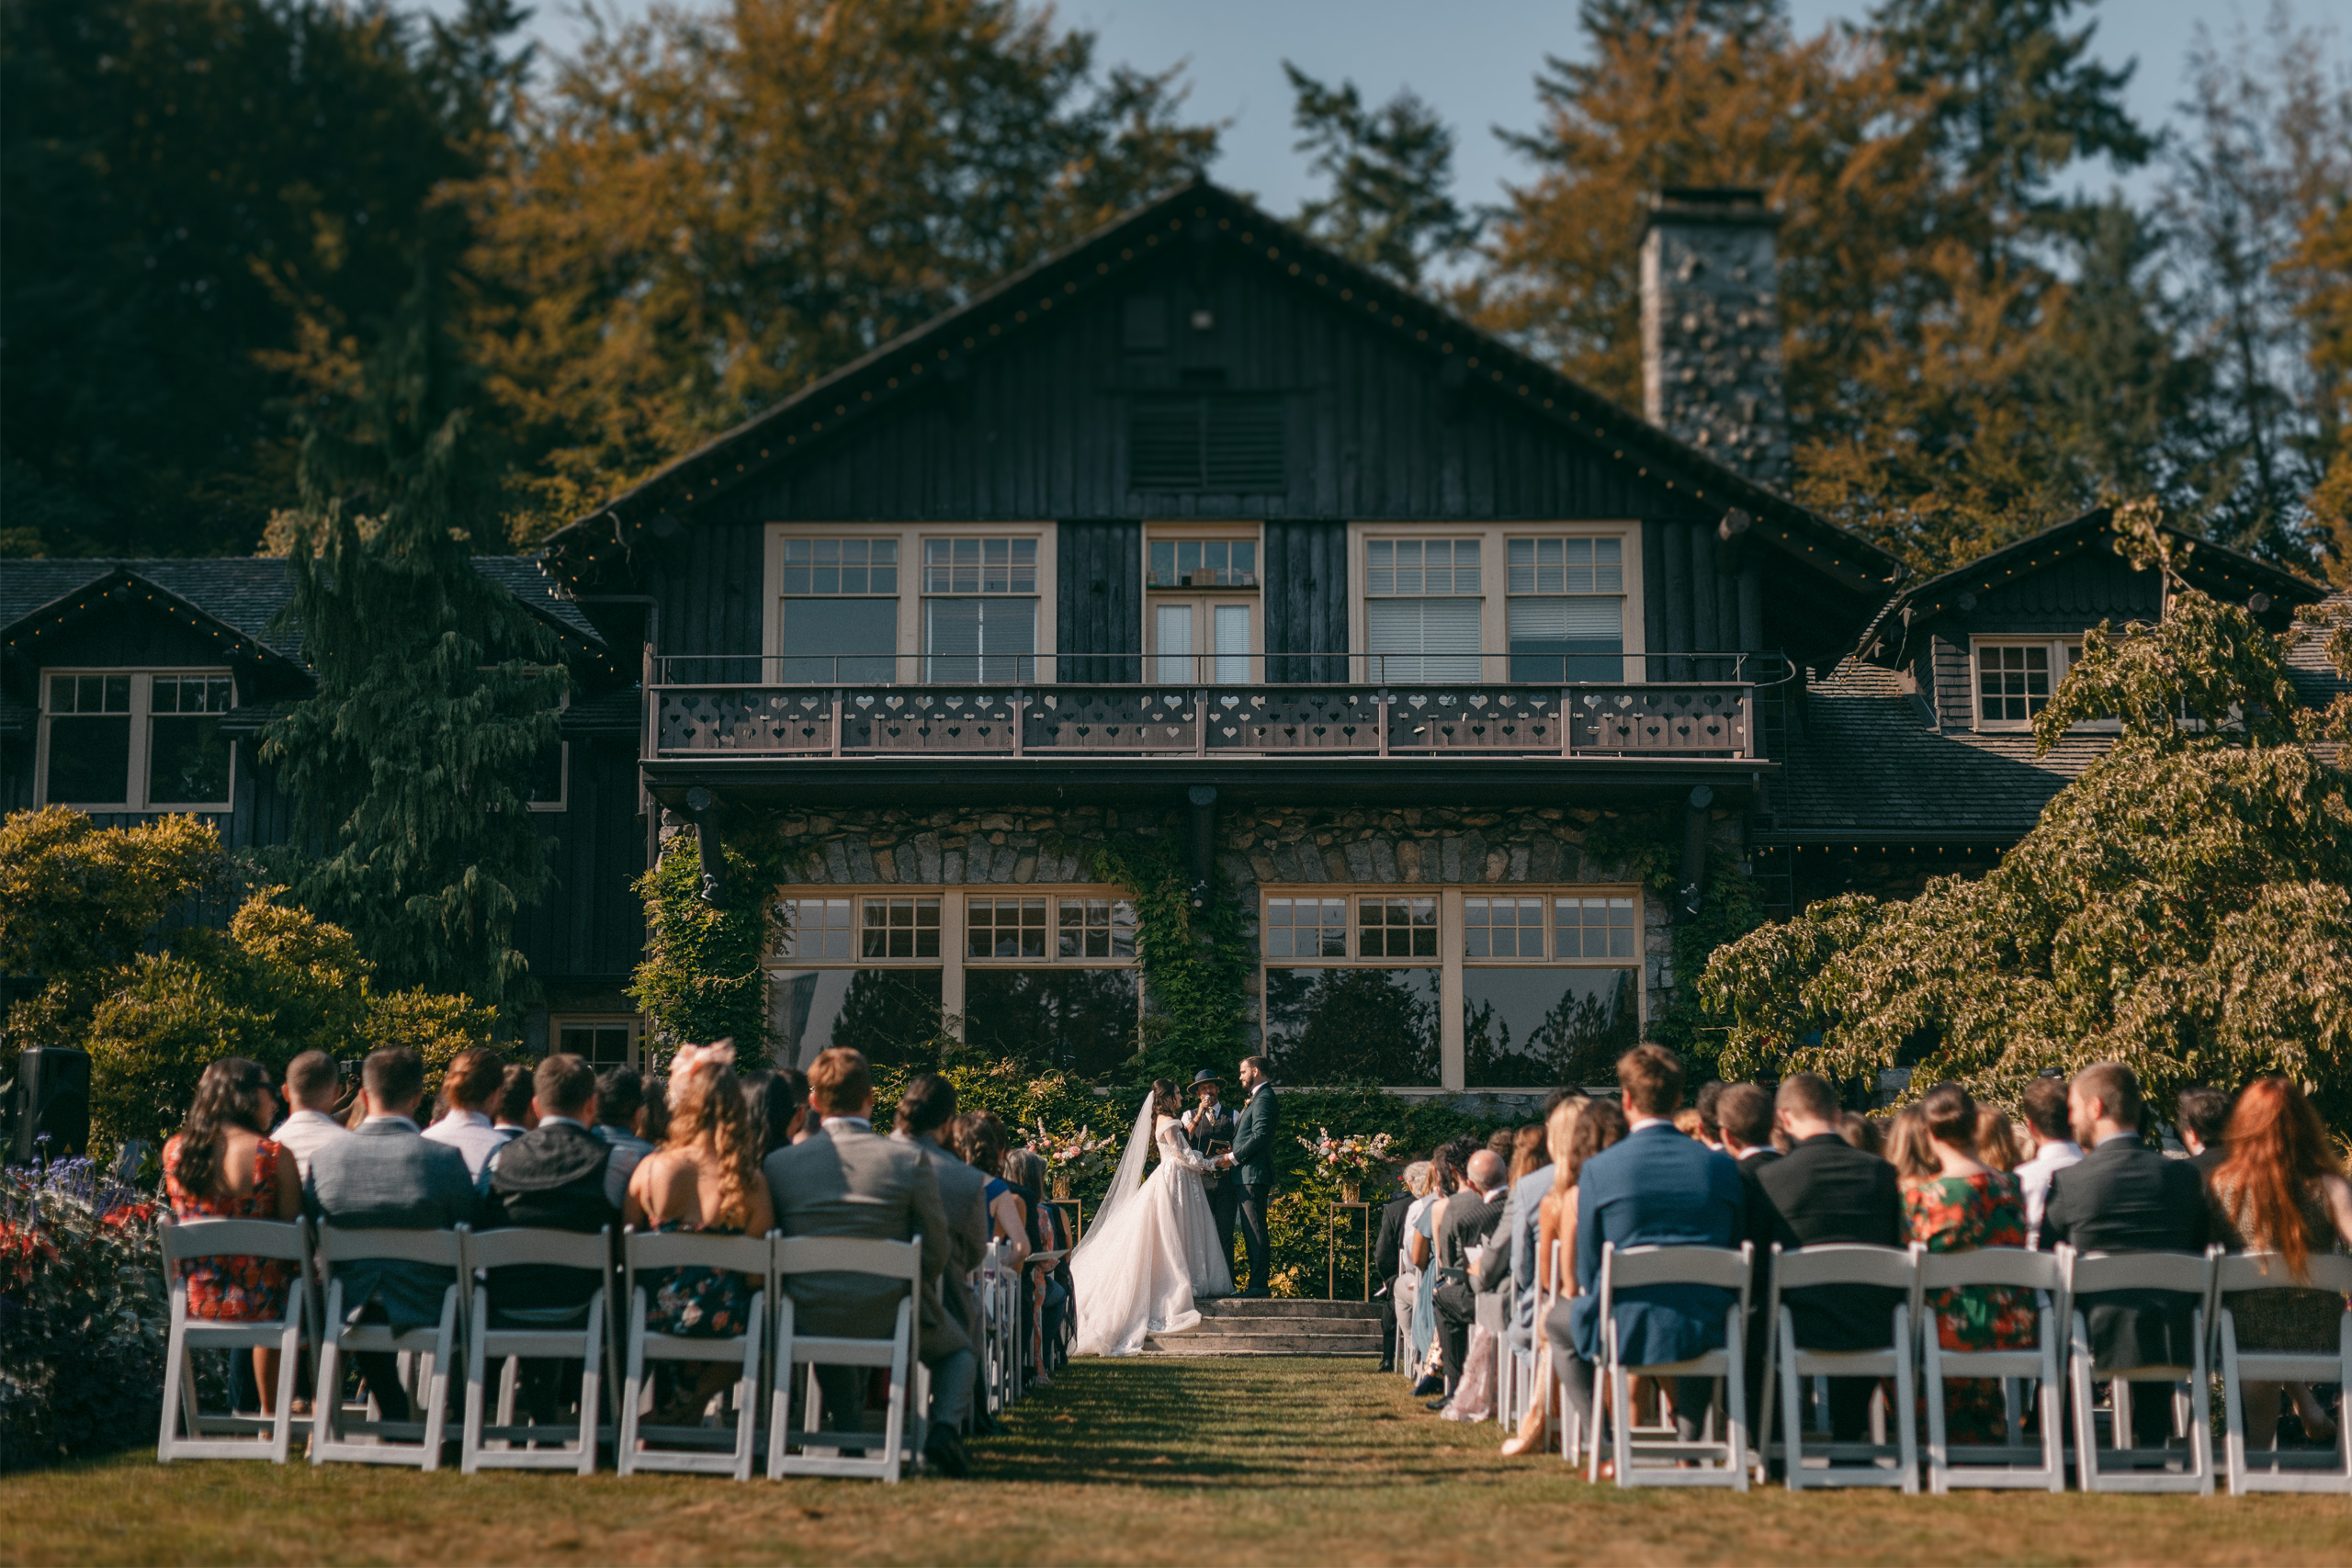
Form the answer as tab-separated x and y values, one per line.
1200	1344
1289	1309
1315	1327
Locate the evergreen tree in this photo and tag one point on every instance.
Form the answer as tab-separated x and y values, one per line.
411	767
1391	173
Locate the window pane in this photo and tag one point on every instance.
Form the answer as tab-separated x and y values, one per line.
1594	928
1232	643
1503	928
1005	927
813	929
1307	928
602	1045
1353	1026
1096	928
839	640
1565	638
883	1012
187	762
89	762
1172	637
1396	928
1083	1021
1421	566
1532	1028
900	928
1423	639
980	566
981	639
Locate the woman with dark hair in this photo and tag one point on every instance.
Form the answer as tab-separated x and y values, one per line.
777	1104
1959	1204
2280	1188
979	1138
222	1165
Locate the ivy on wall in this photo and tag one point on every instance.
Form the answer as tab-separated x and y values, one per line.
1196	963
704	975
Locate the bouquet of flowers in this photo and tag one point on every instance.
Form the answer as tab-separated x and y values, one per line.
1351	1159
1073	1157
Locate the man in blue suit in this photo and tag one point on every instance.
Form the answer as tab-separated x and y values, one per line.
1656	1188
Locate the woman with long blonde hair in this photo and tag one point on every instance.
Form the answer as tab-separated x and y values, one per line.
1576	1130
705	1177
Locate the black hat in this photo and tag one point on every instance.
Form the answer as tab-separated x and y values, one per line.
1208	1074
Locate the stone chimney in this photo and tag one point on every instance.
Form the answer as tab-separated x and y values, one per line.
1711	329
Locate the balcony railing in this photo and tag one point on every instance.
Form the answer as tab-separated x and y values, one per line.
1020	716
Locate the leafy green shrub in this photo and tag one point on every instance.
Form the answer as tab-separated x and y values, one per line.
704	975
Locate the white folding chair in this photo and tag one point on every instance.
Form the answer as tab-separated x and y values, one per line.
1039	1269
503	1445
233	1436
1786	1362
696	1449
995	1387
2285	1472
393	1442
1547	1295
899	1262
2124	1468
1486	1312
1631	1268
2009	1463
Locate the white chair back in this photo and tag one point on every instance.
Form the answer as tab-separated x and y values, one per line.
692	1447
2012	1463
1831	1265
2280	1470
187	1432
1725	1269
809	1449
500	1444
414	1442
2125	1467
2236	1271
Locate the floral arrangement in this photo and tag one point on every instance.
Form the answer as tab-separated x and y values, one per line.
82	1313
1074	1156
1350	1159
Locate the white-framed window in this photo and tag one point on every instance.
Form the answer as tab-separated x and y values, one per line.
980	608
602	1038
1201	623
136	739
867	603
1565	607
1423	601
1201	563
1477	988
550	787
2015	677
838	613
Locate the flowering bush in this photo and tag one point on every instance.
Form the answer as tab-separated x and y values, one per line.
1080	1155
82	1314
1351	1158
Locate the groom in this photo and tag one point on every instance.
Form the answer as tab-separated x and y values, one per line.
1253	1164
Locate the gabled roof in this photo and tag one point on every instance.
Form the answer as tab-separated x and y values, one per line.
2216	569
1198	214
236	601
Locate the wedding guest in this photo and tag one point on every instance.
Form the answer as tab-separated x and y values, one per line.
2202	1113
2281	1190
1470	1219
1655	1187
1532	1164
1996	1139
1826	1192
1744	1117
926	1108
979	1138
652	1122
1024	1170
1420	1262
1906	1143
312	1080
2044	1106
1393	1278
1551	1248
1961	1204
222	1163
469	1090
549	1176
388	1176
1688	1122
2123	1196
1709	1118
843	1180
620	1095
514	1116
777	1104
1864	1132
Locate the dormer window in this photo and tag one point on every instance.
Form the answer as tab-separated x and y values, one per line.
2016	678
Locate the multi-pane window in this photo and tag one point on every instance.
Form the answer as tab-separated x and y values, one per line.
1594	928
901	926
1305	928
2015	679
1097	928
850	566
980	566
814	929
1565	614
1396	928
602	1041
1502	928
1421	609
136	742
1202	563
1420	566
988	630
1004	928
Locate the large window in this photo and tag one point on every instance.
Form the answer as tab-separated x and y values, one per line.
136	741
839	616
604	1040
981	609
863	604
1422	609
2017	676
1564	608
1523	989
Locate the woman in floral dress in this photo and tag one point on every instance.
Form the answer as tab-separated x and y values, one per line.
1953	1202
221	1166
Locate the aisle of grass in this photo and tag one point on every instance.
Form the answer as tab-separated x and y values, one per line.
1160	1462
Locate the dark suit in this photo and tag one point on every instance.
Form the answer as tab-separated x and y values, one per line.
1826	1192
388	1176
1224	1189
2125	1197
1385	1253
551	1177
1763	1220
1464	1225
1656	1188
1253	1172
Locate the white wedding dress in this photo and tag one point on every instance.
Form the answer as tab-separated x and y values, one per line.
1152	1251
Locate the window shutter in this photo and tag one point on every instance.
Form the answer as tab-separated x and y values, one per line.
1224	444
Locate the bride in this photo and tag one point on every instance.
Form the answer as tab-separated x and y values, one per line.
1153	1249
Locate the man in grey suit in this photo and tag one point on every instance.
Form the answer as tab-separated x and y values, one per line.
388	1176
849	1181
927	1105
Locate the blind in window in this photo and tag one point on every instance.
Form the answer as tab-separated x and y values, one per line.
1423	639
1563	620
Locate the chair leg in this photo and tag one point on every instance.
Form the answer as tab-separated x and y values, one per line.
289	1360
326	1403
477	1371
1906	1429
2233	1407
747	1390
1791	1419
2051	1397
177	1385
1931	1370
2200	1424
632	1390
2078	1373
592	1384
1621	1394
1736	1400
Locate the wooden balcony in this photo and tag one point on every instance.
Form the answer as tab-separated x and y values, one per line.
714	719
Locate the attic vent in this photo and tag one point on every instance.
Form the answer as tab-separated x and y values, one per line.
1228	445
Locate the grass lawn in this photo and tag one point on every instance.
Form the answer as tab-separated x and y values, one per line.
1147	1461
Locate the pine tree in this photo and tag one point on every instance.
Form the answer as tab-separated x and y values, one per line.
1391	171
410	766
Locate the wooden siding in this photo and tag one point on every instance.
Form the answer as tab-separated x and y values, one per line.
1305	599
2061	598
710	589
590	923
1098	609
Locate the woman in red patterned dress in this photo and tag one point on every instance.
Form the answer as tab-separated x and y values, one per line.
221	1166
1955	1203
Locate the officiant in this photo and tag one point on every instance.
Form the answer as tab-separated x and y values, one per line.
1209	1127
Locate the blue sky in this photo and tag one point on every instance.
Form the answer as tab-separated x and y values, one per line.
1474	61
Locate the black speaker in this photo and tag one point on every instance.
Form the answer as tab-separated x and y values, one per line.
53	1096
